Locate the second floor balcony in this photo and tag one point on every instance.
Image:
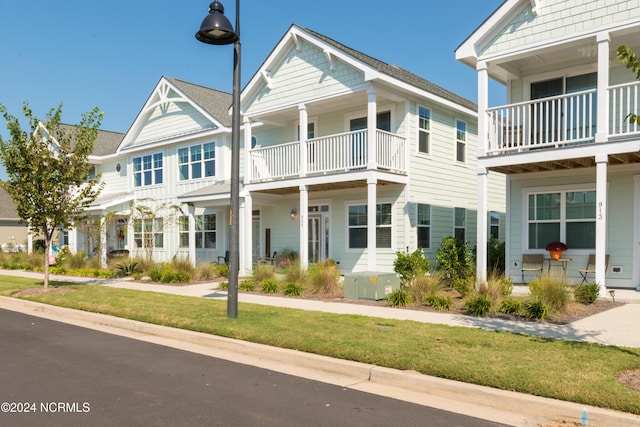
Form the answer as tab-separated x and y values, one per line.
333	154
562	121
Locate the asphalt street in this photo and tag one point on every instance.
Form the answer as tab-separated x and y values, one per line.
56	374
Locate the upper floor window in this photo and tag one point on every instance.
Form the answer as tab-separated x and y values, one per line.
566	216
92	173
424	226
460	224
424	130
461	141
357	226
197	161
147	170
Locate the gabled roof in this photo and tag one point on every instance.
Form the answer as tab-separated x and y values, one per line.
215	102
106	142
375	66
8	208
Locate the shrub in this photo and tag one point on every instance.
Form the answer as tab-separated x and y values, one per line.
454	258
292	289
497	287
246	286
324	279
137	276
495	255
478	305
400	298
410	265
75	261
206	271
222	270
510	306
535	308
263	272
463	285
294	273
552	291
586	293
425	285
155	274
127	268
269	286
438	302
223	285
166	273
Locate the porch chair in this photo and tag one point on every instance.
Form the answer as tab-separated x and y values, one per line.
225	258
271	260
532	262
591	267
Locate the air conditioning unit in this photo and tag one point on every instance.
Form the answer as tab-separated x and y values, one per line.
370	285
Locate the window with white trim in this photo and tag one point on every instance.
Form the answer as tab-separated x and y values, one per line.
206	231
197	161
148	233
424	130
460	224
357	226
183	231
494	224
461	141
566	216
424	226
147	170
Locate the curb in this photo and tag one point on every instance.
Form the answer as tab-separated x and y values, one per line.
525	407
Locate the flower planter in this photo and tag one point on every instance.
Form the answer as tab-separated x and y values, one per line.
555	254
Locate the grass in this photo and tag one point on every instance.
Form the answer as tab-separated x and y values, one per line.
572	371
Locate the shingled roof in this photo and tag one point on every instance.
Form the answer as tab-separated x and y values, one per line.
215	102
8	208
106	142
397	72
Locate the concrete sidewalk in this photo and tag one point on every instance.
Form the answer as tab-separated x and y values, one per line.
510	408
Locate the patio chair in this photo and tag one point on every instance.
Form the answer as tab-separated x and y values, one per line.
532	263
591	267
225	258
271	260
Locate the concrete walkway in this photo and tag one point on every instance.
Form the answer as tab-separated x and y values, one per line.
516	409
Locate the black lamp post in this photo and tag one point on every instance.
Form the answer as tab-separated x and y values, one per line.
216	29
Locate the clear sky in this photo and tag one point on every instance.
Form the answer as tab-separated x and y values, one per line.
111	54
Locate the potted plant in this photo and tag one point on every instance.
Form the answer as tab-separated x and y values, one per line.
555	249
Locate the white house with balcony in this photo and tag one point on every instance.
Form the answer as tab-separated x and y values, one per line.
562	139
385	161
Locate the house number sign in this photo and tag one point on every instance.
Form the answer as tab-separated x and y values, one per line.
600	214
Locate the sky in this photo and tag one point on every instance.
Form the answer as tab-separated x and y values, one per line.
112	54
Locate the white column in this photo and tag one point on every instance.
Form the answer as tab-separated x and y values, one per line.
192	234
103	241
242	247
602	121
304	227
304	129
29	240
247	150
246	248
481	258
483	104
371	224
601	221
372	126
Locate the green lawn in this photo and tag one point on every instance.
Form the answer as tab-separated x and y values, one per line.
578	372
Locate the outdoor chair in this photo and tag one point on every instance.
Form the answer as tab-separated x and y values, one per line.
532	263
225	258
271	260
591	267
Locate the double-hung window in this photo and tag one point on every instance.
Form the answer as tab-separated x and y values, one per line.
147	170
460	223
357	226
424	130
183	231
197	161
205	231
494	224
461	141
567	216
424	226
148	232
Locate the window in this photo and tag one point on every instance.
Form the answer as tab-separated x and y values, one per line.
64	237
206	231
148	233
460	224
424	226
424	130
197	161
567	216
494	224
147	170
357	228
461	141
183	231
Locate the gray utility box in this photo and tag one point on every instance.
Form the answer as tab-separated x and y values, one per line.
370	285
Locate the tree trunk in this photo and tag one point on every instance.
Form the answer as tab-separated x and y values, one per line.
47	252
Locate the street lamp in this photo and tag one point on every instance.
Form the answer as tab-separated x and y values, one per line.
216	29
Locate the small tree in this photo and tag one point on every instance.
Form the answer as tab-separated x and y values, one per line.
48	173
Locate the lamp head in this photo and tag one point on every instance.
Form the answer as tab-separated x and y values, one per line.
216	28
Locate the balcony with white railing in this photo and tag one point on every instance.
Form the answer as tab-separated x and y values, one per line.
560	121
331	154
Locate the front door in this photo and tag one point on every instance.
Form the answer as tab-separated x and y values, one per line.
315	238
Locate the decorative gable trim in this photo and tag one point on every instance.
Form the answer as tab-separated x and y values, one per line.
266	75
536	6
332	63
164	95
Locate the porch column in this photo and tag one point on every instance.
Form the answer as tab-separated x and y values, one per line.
29	240
371	224
103	241
247	150
481	258
483	104
304	227
192	235
602	121
304	130
246	247
372	126
601	221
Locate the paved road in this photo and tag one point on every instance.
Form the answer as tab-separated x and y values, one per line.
71	376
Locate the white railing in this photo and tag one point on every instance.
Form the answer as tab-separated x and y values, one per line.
330	154
624	99
549	122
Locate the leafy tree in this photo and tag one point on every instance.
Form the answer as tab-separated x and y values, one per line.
48	172
628	58
153	219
